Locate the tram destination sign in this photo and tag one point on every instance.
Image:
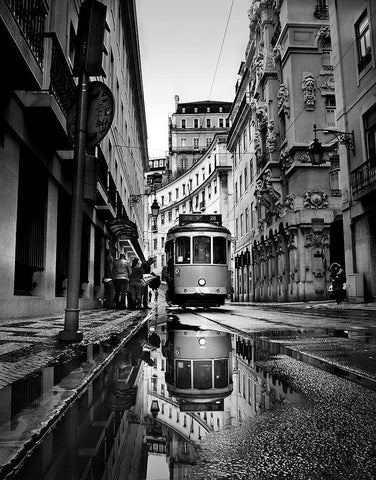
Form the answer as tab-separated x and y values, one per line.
184	219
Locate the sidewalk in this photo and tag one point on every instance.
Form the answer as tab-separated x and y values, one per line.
29	344
310	304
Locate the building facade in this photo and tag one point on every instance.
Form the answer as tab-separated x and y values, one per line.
353	31
204	187
288	210
191	130
38	43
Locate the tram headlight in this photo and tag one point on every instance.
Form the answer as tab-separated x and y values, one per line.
202	341
202	282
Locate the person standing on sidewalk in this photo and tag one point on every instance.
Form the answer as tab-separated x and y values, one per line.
108	281
121	272
136	284
338	278
146	268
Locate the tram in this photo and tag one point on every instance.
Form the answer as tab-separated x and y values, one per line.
198	367
198	252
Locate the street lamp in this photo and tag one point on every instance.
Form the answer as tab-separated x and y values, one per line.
316	150
155	208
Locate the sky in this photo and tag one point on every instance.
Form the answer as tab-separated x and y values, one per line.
180	44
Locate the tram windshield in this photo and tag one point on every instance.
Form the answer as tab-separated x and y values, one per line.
219	250
183	250
201	249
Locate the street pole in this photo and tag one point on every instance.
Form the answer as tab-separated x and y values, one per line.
71	332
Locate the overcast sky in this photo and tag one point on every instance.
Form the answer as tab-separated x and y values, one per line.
180	42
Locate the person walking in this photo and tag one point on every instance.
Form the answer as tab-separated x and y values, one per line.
121	272
146	268
136	284
338	278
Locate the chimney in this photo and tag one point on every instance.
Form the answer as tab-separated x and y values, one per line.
176	102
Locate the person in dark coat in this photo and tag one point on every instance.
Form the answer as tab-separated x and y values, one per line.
136	284
108	281
338	278
146	268
121	272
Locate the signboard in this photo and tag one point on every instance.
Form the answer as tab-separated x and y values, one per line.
215	219
202	407
101	109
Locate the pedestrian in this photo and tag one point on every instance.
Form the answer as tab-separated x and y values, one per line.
108	282
146	269
338	278
170	281
121	272
136	284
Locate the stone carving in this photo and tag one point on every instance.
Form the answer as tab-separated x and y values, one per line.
328	86
277	6
271	138
261	228
285	158
259	64
309	91
291	238
268	196
317	238
254	15
283	99
289	202
304	157
277	53
315	199
324	33
262	118
257	142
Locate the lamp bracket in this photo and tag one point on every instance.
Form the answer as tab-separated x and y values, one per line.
133	199
344	138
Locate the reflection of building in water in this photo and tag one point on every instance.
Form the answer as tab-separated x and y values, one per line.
255	390
96	438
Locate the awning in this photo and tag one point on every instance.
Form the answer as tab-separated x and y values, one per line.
124	230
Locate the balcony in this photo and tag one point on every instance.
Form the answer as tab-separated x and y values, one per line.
48	107
363	179
22	25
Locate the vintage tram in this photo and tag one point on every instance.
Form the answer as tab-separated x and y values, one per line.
198	252
198	367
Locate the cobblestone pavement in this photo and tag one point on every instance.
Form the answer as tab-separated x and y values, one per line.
28	344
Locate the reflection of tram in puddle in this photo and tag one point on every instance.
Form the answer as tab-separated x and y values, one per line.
198	367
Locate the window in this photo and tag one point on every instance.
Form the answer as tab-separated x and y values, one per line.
209	191
220	109
197	179
201	249
325	59
169	197
183	110
240	185
162	218
183	187
195	123
184	164
183	123
208	122
221	373
162	200
370	132
176	212
202	374
210	168
236	191
208	141
207	109
215	186
176	193
251	216
241	224
237	228
170	216
183	250
330	110
219	250
244	140
246	216
363	41
190	184
195	110
155	243
220	123
162	242
195	144
183	142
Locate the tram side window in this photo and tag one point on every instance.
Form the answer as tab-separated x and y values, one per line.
201	250
183	374
202	374
183	250
169	249
219	250
220	373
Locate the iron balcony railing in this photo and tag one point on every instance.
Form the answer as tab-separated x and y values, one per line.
364	176
62	84
30	16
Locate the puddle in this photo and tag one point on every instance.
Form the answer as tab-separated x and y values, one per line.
183	401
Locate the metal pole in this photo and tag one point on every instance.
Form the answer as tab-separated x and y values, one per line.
71	324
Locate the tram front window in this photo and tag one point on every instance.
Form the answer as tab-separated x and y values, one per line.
183	250
219	250
202	374
183	374
201	249
220	373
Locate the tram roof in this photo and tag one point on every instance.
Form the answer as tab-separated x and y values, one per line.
197	226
